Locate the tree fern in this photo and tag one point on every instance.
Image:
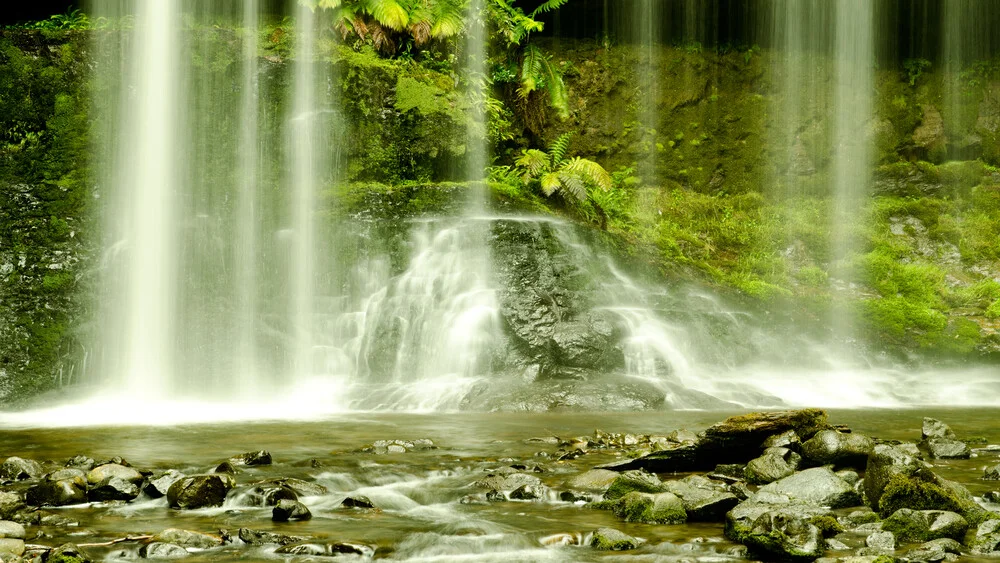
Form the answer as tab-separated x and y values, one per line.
388	13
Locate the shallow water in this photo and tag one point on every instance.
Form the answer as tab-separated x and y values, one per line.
419	492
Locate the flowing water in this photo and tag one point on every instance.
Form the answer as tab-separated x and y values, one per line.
420	493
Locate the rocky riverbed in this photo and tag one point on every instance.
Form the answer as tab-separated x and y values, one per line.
789	485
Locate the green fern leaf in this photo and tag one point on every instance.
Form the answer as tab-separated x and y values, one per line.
534	162
572	185
389	13
551	183
590	172
531	71
560	148
547	7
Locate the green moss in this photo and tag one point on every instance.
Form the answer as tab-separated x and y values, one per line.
909	492
633	481
827	525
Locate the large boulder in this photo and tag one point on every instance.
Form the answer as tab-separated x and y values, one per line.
702	500
18	469
286	510
837	448
925	525
659	508
776	463
102	473
934	428
781	534
200	491
818	486
987	540
64	487
943	448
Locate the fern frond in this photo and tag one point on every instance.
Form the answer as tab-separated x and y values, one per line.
389	14
558	95
560	148
534	162
551	183
532	68
327	4
572	185
547	7
448	24
590	172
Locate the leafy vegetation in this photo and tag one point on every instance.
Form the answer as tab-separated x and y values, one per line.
389	25
71	20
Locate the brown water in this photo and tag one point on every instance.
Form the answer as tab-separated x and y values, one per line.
422	518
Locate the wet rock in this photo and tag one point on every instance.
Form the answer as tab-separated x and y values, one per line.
55	490
883	542
268	494
102	473
528	492
992	473
992	497
885	463
593	480
287	510
199	491
227	468
575	497
10	504
659	508
850	477
740	490
933	428
859	517
262	457
113	488
740	520
834	544
66	553
160	550
819	485
728	472
839	449
11	538
80	462
495	496
301	488
187	538
610	539
937	550
507	481
357	501
789	439
329	550
19	469
381	447
159	483
987	540
925	525
776	463
784	535
260	537
630	481
702	501
943	448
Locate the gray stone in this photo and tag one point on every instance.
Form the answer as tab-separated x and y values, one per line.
187	538
113	488
658	508
11	530
884	463
785	536
610	539
702	501
528	492
776	463
933	428
262	457
329	550
199	491
630	481
925	525
10	504
66	553
936	550
987	540
992	473
884	542
507	481
261	537
18	469
159	483
300	487
740	520
159	550
788	439
943	448
11	549
593	480
844	450
818	485
102	473
287	510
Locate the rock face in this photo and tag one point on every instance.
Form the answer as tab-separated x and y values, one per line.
839	449
200	491
925	525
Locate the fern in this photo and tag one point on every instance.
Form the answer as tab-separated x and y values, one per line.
590	172
389	14
547	7
560	148
551	183
532	71
573	185
534	162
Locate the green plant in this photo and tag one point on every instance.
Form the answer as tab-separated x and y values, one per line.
914	69
389	24
555	172
73	19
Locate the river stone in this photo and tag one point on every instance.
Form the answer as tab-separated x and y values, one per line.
159	483
819	485
336	549
507	481
200	491
104	472
19	469
992	473
57	493
262	457
884	463
66	553
630	481
925	525
300	487
268	494
287	510
113	488
784	535
187	538
357	501
882	541
788	439
702	502
11	549
11	530
943	448
10	504
227	468
830	446
739	438
80	462
610	539
659	508
261	537
528	492
934	428
593	480
740	520
987	540
936	550
776	463
160	550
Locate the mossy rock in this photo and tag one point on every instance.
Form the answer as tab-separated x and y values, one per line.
916	494
634	481
926	525
828	525
610	539
645	508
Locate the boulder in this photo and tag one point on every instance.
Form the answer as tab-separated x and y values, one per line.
934	428
528	492
839	449
337	549
659	508
819	486
80	462
200	491
287	510
740	520
636	480
102	473
58	492
113	488
883	542
226	467
936	550
925	525
187	538
987	540
610	539
159	483
784	535
788	439
11	538
300	487
261	537
357	501
268	494
593	480
10	504
160	550
262	457
776	463
19	469
507	481
944	448
702	501
992	473
66	553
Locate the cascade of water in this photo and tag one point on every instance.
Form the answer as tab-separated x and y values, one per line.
965	36
647	16
853	92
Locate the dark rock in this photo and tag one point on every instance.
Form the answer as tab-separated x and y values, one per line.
842	450
933	428
268	494
630	481
187	538
728	472
776	463
610	539
66	553
102	473
159	483
59	492
574	497
300	487
160	550
987	540
702	501
199	491
227	468
925	525
819	486
260	537
495	496
659	508
992	497
357	501
261	457
113	488
528	492
788	439
18	469
287	510
992	473
328	550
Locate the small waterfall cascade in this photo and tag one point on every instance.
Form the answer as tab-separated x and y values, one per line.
646	30
966	30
